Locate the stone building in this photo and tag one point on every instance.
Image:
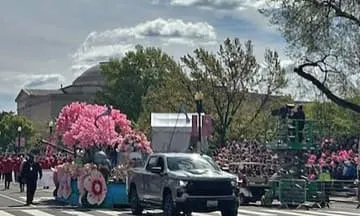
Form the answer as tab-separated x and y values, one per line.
42	105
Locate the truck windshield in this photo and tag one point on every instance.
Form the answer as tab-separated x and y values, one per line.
189	163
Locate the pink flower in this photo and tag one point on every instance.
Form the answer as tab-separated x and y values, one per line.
80	124
96	187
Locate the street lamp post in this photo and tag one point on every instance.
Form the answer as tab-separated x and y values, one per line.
19	129
199	96
51	126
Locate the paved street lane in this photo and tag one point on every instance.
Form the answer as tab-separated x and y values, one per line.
248	211
12	204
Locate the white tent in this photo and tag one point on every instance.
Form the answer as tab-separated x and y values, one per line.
171	132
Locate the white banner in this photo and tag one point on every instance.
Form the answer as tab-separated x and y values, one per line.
47	179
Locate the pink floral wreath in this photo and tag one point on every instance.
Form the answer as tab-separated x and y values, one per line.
96	187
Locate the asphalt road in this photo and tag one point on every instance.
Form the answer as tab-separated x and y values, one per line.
12	204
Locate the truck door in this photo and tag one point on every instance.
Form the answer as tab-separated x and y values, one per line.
147	185
157	180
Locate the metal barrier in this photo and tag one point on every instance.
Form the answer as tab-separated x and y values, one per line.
296	192
337	188
292	191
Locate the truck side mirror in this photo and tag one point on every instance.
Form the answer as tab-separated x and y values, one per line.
156	169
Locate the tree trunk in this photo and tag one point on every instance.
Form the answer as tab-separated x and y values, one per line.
222	137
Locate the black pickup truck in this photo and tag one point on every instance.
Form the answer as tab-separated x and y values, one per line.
182	183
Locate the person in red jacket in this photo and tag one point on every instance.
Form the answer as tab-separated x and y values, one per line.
2	177
1	169
8	168
17	170
22	180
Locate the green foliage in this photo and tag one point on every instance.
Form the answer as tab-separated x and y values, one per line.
9	123
148	80
334	120
263	126
168	97
130	79
323	37
228	77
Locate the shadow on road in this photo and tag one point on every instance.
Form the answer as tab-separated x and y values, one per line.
17	206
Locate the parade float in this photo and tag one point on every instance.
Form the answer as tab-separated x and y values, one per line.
92	132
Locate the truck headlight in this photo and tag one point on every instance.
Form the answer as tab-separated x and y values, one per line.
183	183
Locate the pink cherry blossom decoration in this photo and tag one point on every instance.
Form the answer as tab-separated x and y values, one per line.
87	125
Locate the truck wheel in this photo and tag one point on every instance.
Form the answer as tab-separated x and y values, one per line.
233	211
136	208
187	213
169	207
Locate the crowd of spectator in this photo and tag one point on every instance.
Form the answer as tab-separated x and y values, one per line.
339	157
252	158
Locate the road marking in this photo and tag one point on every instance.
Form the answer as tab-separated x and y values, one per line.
35	212
255	212
77	213
322	213
345	213
113	213
12	199
285	212
39	199
4	213
206	214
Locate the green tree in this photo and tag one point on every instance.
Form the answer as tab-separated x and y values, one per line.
323	36
228	77
334	120
263	127
168	97
9	124
130	79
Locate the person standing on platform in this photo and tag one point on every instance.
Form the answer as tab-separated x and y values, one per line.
31	172
299	117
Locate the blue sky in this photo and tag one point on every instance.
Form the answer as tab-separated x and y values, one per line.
46	43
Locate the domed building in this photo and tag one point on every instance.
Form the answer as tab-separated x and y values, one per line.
42	105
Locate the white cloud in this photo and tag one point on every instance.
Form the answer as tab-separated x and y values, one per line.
41	80
100	46
60	29
21	80
221	4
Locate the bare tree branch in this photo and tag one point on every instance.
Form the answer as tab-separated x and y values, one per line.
329	94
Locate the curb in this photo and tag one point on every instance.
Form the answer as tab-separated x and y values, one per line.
344	201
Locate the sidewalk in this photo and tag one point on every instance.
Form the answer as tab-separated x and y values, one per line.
344	199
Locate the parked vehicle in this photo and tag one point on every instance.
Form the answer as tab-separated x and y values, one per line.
251	188
183	183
